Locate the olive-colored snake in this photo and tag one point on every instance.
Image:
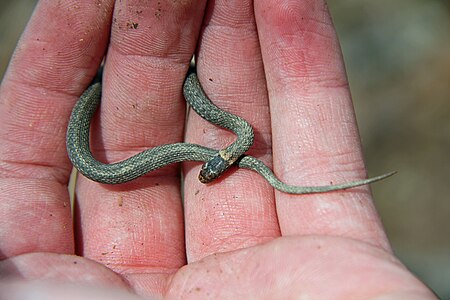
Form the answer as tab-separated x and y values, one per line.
216	162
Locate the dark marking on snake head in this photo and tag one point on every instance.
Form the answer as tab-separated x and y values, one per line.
212	169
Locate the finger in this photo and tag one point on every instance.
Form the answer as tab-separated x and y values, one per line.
137	228
237	210
314	130
45	76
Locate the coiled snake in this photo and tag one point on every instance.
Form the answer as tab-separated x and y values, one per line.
216	162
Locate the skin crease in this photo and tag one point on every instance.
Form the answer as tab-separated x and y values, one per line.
236	238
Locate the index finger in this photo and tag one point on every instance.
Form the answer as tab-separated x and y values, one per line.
315	136
45	76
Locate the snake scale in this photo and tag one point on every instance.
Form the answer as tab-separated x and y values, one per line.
215	161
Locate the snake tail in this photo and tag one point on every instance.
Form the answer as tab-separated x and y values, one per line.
252	163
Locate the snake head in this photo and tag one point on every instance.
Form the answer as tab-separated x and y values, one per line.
213	169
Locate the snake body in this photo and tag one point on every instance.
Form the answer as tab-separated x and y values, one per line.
216	161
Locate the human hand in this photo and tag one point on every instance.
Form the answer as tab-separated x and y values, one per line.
236	238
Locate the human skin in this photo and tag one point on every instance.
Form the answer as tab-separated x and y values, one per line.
275	63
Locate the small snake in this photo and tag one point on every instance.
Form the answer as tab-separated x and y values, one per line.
215	161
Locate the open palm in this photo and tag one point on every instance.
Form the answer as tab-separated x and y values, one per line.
278	65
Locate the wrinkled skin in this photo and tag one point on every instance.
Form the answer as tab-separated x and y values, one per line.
235	238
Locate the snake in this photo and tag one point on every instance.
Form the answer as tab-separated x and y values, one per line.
216	162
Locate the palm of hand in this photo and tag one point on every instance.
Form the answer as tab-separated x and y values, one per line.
288	267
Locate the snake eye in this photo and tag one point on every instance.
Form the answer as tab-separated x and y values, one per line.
212	169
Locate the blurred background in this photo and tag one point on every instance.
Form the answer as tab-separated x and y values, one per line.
397	55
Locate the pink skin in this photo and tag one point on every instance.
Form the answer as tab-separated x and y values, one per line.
236	238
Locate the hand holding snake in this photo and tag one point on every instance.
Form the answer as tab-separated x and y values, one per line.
277	64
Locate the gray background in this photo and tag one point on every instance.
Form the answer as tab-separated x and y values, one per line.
397	55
